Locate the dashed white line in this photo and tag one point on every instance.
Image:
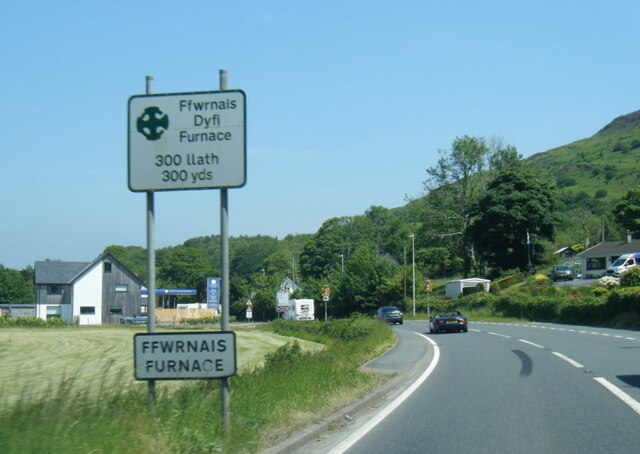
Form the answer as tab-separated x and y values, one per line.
569	360
620	394
531	343
500	335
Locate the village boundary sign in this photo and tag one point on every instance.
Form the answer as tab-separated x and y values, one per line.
183	356
187	141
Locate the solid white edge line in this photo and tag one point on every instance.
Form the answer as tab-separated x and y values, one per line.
362	431
569	360
620	394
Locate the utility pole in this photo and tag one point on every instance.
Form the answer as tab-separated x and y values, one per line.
413	261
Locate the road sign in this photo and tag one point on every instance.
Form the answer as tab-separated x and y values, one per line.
326	291
213	293
184	356
187	141
428	287
325	298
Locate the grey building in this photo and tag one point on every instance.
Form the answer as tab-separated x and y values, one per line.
88	293
597	259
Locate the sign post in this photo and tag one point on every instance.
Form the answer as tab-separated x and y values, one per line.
326	293
428	288
191	140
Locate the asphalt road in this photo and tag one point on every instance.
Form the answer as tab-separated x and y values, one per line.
502	388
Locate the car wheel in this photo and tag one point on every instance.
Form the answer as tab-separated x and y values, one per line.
464	330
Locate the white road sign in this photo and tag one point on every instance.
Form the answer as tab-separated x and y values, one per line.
183	356
187	141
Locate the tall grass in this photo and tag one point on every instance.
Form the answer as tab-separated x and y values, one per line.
292	389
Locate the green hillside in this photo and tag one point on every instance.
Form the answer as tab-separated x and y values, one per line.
604	166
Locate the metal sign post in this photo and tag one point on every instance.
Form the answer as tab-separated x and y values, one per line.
191	140
326	293
428	288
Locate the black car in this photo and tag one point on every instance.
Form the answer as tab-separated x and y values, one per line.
448	321
390	314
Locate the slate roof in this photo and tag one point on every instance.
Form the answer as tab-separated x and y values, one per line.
612	248
57	272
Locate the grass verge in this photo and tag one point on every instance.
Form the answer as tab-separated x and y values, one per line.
290	389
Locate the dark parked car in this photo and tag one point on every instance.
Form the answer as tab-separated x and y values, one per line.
560	272
137	319
390	314
448	321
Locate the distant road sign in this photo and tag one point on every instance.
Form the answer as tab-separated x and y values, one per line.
428	287
187	141
184	356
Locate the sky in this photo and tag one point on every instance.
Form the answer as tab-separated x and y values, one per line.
347	104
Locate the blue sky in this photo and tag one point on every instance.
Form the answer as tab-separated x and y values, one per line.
347	104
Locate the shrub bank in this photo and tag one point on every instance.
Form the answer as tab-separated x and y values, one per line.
615	308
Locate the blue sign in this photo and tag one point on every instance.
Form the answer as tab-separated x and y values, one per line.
213	293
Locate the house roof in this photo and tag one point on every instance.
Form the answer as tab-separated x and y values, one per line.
565	249
611	248
59	272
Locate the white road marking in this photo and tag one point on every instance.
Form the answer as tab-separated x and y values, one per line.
362	431
500	335
569	360
531	343
620	394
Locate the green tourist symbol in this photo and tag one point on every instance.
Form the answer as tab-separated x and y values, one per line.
152	123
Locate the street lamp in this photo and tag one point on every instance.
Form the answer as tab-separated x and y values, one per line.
413	262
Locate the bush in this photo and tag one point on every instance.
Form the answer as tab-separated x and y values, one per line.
588	310
600	291
623	300
541	279
608	282
284	356
631	278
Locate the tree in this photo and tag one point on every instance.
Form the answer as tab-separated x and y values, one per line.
16	286
367	282
627	211
320	257
517	206
185	267
455	184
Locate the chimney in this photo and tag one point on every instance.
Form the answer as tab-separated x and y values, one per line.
628	236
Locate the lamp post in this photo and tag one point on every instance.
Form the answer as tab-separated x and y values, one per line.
342	263
413	264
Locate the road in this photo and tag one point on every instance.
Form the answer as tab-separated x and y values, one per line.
505	388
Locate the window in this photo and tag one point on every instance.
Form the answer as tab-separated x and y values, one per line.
122	287
107	267
115	310
87	310
53	312
54	289
596	263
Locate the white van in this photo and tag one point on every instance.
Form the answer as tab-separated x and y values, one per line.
623	263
